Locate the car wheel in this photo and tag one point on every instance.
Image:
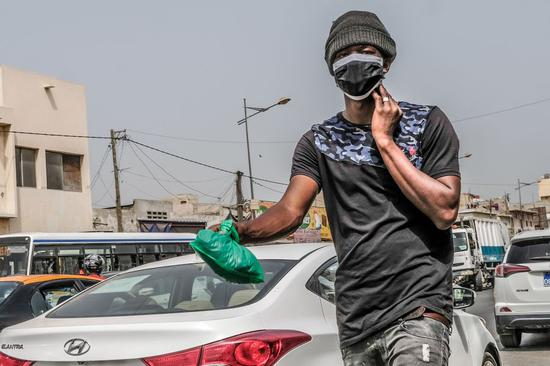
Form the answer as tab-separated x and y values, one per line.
510	340
489	360
478	281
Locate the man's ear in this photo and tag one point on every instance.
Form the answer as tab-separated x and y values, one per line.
387	65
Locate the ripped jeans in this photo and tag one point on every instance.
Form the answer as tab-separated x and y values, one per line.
421	341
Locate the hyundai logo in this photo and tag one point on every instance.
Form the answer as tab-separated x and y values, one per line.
76	347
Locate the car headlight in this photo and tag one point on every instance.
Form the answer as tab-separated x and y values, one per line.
483	321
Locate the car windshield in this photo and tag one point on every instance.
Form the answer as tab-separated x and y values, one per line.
173	289
13	256
529	251
6	289
460	242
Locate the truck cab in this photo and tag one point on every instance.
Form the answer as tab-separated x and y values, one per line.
467	258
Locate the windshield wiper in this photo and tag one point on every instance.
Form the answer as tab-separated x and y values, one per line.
540	258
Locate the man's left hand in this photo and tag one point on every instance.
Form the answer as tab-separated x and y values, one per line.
386	116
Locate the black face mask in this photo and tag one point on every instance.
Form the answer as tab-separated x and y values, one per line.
358	74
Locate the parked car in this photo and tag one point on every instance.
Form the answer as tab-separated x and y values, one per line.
522	288
179	312
24	297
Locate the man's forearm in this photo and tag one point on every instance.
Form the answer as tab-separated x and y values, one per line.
435	199
276	223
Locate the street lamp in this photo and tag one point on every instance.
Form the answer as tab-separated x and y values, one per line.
465	156
281	101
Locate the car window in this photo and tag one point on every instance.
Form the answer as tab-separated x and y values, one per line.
88	283
460	242
46	297
6	289
529	251
38	303
326	282
172	289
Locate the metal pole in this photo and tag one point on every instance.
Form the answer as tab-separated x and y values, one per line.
240	199
248	149
520	206
117	183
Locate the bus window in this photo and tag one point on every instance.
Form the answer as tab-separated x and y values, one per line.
149	253
125	256
70	260
44	260
170	250
13	259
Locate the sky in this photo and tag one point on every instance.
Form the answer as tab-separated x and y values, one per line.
174	75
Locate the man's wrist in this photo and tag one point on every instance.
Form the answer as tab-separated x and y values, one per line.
241	230
383	141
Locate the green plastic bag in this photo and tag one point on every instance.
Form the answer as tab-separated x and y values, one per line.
223	253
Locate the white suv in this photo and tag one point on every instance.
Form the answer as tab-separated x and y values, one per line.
522	288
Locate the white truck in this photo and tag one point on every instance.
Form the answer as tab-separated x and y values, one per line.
479	244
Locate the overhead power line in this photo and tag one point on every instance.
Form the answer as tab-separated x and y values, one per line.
175	178
501	110
61	135
266	187
103	160
209	140
150	172
200	163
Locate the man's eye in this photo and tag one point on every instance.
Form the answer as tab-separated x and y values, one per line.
341	55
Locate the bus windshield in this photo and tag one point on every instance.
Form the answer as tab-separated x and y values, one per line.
460	242
14	254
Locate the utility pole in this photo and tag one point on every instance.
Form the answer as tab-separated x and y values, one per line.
240	198
520	206
248	148
114	139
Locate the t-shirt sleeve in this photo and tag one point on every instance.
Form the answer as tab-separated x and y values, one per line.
305	161
439	146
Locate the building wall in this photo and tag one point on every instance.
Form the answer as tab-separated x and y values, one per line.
544	188
26	105
184	208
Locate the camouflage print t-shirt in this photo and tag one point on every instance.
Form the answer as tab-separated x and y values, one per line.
392	258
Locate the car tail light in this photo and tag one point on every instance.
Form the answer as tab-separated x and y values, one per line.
505	309
185	358
261	348
6	360
504	270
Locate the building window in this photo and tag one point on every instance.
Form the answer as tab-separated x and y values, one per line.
157	215
63	171
25	165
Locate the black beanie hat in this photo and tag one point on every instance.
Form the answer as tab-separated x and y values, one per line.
357	28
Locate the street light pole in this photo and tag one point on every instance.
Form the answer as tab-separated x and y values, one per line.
248	149
281	101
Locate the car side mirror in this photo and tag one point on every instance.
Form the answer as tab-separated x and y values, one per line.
463	297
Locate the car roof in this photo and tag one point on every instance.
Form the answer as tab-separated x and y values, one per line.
91	236
27	280
531	234
262	252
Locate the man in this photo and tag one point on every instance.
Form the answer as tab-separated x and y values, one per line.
390	178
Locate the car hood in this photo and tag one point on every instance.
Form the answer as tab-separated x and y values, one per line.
124	338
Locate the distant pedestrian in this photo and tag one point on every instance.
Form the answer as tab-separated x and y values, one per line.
390	177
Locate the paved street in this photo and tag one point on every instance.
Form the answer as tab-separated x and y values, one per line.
535	348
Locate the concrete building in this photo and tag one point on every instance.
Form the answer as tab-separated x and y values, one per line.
44	180
182	214
544	188
523	220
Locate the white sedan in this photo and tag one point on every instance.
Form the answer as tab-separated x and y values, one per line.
178	312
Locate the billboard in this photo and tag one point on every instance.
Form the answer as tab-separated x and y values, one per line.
314	227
